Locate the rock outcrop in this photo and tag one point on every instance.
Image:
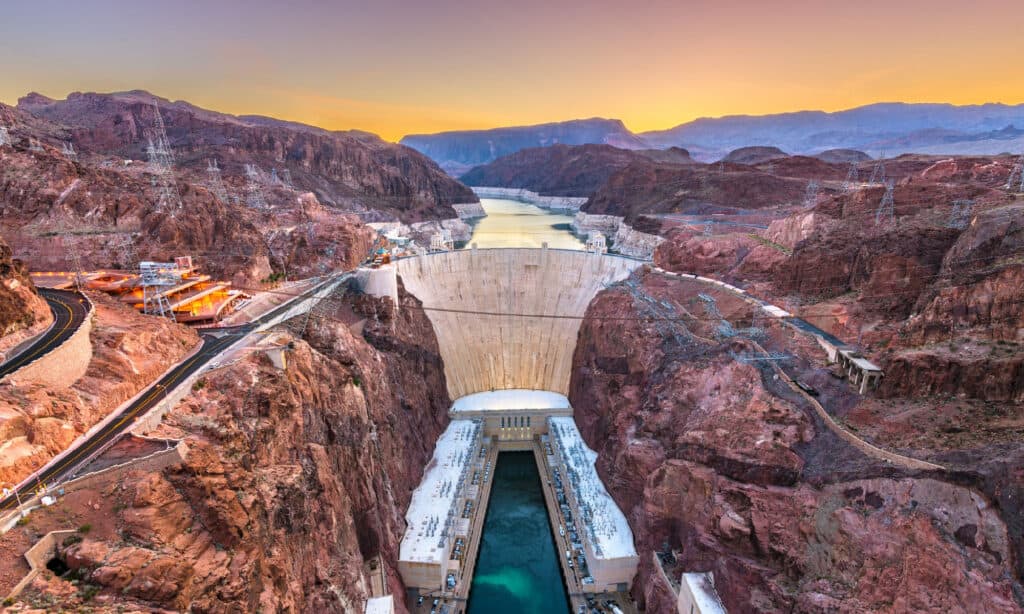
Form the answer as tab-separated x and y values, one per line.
23	313
353	170
652	188
294	481
719	461
754	155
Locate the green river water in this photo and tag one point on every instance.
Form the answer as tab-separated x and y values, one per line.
517	570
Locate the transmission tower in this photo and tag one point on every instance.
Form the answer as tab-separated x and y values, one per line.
286	178
215	182
707	229
124	246
254	198
724	330
961	214
68	149
852	178
878	173
1015	182
5	137
72	252
663	315
811	196
885	208
155	277
162	161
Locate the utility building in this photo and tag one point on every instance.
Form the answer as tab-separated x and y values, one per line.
512	418
439	518
604	541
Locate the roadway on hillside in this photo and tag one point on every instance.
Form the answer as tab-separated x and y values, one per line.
214	342
69	312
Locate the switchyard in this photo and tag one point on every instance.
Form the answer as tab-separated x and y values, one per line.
176	290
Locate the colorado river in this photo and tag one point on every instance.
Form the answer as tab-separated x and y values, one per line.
518	569
511	223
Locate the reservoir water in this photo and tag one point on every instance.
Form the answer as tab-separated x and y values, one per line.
517	569
511	223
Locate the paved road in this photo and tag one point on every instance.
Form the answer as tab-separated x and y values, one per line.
214	342
69	311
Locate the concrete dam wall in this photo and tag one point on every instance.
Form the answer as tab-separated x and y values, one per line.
513	349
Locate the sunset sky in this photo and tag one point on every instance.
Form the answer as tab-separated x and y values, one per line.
396	68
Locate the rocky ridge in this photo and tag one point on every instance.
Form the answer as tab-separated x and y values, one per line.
294	482
713	459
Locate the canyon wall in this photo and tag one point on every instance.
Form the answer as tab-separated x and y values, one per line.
295	479
23	313
344	169
721	462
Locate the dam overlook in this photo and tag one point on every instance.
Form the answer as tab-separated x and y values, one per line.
628	339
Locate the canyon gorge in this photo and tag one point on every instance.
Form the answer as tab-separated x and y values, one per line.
696	346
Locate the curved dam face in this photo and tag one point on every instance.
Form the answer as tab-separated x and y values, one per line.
503	344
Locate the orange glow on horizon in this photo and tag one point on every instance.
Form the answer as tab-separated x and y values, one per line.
395	68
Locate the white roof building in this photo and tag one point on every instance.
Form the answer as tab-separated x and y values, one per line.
606	526
380	605
432	510
504	400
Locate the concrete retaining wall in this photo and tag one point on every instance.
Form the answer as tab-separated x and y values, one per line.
64	365
468	211
156	461
381	281
555	203
38	556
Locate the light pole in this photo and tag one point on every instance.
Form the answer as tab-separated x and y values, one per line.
17	496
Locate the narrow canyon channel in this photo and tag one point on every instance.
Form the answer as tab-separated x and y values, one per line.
511	223
518	568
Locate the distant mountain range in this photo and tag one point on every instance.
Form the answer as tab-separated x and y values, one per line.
457	152
885	128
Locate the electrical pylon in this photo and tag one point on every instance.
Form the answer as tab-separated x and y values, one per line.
885	212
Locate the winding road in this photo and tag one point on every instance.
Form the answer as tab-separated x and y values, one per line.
214	343
70	309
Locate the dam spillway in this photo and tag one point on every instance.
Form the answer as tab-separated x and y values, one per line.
463	291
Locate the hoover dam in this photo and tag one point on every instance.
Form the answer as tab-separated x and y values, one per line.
507	321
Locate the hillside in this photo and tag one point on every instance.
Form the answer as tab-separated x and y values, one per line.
564	170
457	152
894	128
354	171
